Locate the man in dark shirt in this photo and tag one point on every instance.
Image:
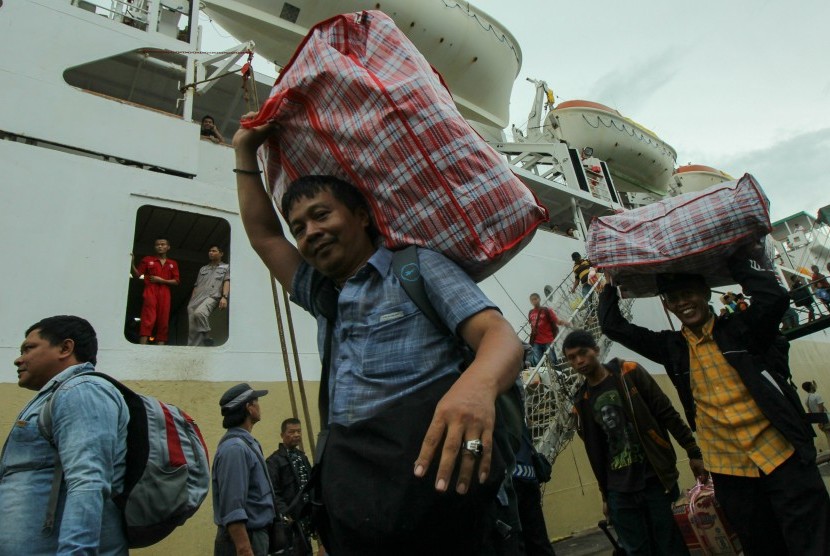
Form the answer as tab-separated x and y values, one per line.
290	470
624	419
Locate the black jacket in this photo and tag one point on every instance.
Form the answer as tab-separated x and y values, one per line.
747	340
284	478
653	416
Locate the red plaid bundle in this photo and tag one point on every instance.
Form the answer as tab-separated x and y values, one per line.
358	101
691	233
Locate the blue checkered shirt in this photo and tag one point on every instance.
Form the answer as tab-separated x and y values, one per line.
383	347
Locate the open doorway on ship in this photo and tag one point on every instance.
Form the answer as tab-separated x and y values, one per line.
190	235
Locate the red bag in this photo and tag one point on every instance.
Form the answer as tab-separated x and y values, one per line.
691	233
358	101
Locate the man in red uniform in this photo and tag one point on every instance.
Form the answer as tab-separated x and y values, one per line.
544	325
159	274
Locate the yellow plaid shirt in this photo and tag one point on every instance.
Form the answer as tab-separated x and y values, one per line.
733	434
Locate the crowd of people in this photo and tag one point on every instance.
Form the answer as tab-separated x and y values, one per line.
803	294
414	456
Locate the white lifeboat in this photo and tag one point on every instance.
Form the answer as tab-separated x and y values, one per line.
638	159
478	58
697	177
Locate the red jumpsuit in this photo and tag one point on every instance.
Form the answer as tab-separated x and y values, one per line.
155	312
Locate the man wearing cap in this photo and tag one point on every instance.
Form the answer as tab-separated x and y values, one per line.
730	378
243	504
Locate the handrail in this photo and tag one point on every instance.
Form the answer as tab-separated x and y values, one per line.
549	386
138	11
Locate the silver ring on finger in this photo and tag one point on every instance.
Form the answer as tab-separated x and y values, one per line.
475	447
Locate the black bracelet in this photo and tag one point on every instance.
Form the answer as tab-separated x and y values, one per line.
248	172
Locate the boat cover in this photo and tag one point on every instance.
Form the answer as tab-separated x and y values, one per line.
358	101
691	233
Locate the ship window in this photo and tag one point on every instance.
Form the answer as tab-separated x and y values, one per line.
289	12
191	236
151	78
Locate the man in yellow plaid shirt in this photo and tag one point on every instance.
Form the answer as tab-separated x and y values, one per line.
731	377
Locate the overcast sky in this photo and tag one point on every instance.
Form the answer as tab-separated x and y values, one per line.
740	85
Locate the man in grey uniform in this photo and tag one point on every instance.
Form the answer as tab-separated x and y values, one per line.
213	285
243	501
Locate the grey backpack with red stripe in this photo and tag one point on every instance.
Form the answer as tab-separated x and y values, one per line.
167	472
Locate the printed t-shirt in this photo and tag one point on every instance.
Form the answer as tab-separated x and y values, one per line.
626	463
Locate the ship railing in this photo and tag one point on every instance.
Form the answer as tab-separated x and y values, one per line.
541	163
550	386
552	165
137	11
551	298
140	13
820	306
582	311
805	247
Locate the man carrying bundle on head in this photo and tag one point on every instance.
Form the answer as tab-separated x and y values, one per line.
392	390
731	379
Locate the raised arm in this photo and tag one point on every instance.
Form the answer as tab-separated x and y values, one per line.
636	338
257	209
769	299
135	270
467	410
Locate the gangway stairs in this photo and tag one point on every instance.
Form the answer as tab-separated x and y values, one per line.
550	386
801	241
804	324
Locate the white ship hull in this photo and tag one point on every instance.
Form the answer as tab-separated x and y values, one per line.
89	175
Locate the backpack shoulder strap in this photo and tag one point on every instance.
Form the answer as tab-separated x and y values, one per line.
324	295
44	426
407	269
44	420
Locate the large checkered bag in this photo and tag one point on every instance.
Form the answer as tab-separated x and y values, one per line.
691	233
358	101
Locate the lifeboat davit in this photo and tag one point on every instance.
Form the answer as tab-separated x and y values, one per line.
696	177
478	58
638	159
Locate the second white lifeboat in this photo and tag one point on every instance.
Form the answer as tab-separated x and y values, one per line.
697	177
